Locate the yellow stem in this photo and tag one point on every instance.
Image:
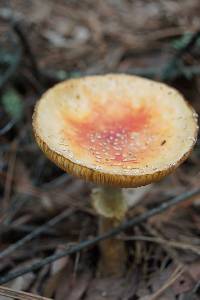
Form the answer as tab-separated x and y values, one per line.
111	206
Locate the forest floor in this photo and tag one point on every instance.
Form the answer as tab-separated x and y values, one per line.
42	43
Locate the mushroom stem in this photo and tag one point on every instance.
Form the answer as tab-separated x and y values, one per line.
111	206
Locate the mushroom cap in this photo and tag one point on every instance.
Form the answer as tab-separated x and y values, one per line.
115	129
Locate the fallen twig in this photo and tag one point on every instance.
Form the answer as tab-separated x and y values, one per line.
7	127
194	290
171	243
85	244
36	232
25	43
9	175
17	28
10	293
177	273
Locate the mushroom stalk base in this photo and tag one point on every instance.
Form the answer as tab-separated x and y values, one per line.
111	206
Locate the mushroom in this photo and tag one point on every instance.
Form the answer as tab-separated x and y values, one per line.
117	131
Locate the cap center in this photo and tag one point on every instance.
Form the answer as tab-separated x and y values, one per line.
115	139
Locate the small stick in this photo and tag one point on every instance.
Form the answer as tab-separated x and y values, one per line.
9	175
88	243
27	48
194	290
66	213
7	127
177	273
161	241
18	295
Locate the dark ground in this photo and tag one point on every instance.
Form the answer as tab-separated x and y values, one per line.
43	42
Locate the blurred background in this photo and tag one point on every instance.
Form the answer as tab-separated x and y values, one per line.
42	43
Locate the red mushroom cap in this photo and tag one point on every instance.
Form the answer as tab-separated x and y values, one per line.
115	129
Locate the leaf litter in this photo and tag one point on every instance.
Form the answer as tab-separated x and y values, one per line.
164	252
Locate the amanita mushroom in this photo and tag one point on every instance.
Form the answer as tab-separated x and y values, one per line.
117	131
